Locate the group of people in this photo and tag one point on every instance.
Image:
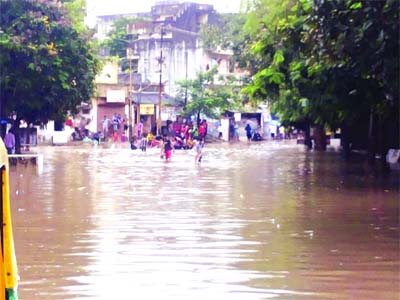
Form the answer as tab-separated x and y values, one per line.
180	134
252	135
166	145
185	133
115	127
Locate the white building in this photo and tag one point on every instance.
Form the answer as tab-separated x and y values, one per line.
169	49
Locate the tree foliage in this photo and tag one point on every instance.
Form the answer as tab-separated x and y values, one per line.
208	94
333	63
118	38
47	67
224	33
77	12
279	52
227	33
360	42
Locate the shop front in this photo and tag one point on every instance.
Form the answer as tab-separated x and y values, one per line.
147	109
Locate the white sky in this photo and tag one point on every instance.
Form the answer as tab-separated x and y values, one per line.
109	7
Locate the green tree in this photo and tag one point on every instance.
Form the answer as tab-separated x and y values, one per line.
76	11
118	38
329	63
359	41
227	33
280	69
208	94
47	67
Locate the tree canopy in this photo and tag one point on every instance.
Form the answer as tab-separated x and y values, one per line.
118	38
47	66
227	33
209	94
328	63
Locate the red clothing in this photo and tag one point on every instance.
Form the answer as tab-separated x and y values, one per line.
177	128
69	122
202	130
168	154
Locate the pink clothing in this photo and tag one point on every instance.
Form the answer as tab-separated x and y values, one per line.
168	154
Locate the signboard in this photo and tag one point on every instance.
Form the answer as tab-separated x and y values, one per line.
147	109
115	96
237	116
225	129
266	116
165	116
169	113
109	74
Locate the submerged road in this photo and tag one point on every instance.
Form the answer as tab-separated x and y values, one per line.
259	221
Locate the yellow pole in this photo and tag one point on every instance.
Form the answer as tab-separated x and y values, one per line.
9	271
2	273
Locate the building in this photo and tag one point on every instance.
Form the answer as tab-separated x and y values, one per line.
170	45
168	49
104	24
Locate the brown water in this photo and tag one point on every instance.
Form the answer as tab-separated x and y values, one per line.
265	221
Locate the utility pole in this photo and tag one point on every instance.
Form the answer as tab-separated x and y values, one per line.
130	94
187	33
186	74
160	87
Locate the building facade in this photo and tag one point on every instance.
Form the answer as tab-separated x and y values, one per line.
169	46
168	49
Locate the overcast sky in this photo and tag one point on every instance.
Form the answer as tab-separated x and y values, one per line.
109	7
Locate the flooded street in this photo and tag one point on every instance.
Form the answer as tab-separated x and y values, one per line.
264	221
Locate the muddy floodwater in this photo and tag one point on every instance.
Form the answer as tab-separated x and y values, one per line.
259	221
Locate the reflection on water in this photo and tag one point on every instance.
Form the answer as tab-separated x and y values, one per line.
251	222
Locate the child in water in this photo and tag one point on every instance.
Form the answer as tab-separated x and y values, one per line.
199	148
143	143
167	149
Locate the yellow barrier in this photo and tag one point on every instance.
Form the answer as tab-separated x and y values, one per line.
8	262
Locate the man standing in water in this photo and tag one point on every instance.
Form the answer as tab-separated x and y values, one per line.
9	141
199	149
106	124
248	133
139	128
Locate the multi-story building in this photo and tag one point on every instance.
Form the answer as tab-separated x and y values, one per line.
169	49
174	34
104	24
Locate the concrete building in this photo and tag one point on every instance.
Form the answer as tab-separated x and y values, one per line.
168	49
172	33
105	23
